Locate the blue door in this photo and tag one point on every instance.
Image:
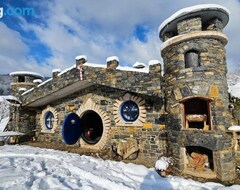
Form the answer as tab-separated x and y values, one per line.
71	129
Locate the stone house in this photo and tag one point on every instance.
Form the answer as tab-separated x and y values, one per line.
183	113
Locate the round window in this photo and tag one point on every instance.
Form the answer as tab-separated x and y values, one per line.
49	119
129	111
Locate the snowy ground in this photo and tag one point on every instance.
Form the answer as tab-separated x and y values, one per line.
24	167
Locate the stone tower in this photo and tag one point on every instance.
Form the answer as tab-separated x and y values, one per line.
24	80
196	91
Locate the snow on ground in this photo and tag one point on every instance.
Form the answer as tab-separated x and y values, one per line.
24	167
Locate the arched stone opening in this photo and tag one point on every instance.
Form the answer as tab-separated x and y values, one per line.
92	127
196	113
88	111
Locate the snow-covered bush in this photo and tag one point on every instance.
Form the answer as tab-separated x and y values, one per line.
164	166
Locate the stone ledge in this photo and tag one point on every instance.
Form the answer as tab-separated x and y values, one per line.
193	35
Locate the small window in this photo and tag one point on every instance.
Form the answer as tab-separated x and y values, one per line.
129	111
21	79
49	120
192	59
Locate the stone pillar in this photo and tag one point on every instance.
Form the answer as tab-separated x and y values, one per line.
215	25
112	62
189	25
224	165
55	73
80	60
154	66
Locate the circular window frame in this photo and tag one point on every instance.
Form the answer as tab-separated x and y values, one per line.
128	113
44	128
140	102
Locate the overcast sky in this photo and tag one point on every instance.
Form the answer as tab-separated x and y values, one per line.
62	29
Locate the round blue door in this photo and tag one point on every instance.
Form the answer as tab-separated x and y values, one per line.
71	129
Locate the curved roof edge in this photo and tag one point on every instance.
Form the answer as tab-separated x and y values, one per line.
26	73
190	11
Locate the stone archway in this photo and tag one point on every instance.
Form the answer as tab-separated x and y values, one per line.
90	107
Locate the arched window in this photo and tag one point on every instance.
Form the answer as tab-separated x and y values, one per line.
192	59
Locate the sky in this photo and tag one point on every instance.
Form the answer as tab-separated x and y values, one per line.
60	30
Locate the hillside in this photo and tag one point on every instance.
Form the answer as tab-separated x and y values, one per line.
5	81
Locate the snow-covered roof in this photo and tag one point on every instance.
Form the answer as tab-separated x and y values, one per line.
81	57
26	73
67	69
31	89
9	97
139	65
213	11
112	58
46	81
126	68
95	65
153	62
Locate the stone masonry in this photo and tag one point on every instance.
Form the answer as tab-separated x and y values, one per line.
182	112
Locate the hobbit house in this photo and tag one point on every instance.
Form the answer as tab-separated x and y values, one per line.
138	111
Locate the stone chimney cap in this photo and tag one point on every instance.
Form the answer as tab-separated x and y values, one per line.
154	62
112	58
81	57
56	70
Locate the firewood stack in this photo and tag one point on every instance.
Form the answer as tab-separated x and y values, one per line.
197	161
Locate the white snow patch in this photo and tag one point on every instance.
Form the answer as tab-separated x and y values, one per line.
4	113
234	90
24	167
234	128
81	57
126	68
95	65
67	69
31	89
168	42
10	97
56	70
162	163
46	81
188	10
139	65
153	62
37	81
112	58
22	89
26	73
10	133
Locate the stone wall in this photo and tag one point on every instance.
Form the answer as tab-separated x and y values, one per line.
150	136
208	80
138	82
190	25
